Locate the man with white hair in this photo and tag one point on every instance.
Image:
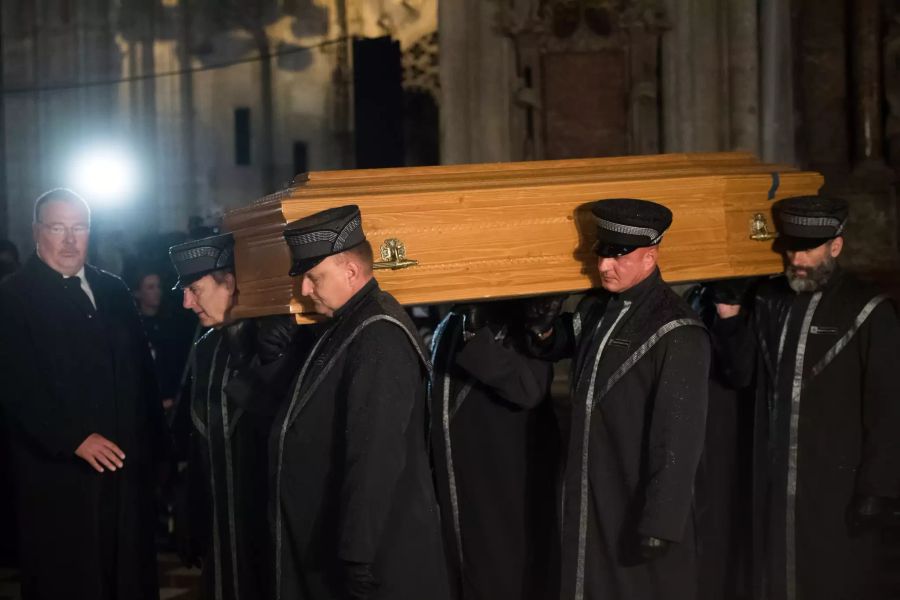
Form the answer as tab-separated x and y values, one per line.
86	425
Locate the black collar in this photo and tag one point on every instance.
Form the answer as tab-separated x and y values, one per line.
358	298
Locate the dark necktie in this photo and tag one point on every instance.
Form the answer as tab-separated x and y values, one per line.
77	293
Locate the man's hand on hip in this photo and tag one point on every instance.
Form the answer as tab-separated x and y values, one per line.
101	453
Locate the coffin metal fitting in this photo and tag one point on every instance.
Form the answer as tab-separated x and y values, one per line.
393	256
759	229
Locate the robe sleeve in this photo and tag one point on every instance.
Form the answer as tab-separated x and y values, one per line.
384	381
879	472
677	431
26	397
518	379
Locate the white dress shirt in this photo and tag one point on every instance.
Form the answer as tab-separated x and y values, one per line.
85	286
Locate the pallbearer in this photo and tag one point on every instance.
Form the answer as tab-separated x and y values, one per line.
233	367
355	514
495	444
825	352
639	398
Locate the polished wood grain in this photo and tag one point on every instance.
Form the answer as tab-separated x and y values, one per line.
503	230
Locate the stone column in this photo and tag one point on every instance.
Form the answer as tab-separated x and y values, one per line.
677	79
743	75
477	79
4	214
822	83
777	91
867	116
694	88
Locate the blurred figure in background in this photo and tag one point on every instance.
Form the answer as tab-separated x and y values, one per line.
168	344
9	259
9	264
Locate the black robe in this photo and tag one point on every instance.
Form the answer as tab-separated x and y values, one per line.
639	398
723	482
826	429
67	371
228	485
223	505
349	458
496	447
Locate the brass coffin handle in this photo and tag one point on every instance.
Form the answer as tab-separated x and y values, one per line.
759	229
393	256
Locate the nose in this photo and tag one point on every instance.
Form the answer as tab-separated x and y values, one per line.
606	264
306	287
187	299
799	258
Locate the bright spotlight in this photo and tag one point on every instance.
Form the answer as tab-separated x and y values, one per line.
105	175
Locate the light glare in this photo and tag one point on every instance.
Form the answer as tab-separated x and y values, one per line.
106	175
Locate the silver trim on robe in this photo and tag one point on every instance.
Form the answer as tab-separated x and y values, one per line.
451	474
642	350
281	436
229	479
217	544
585	449
791	509
299	402
832	353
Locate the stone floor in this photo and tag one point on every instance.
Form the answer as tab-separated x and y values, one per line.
177	582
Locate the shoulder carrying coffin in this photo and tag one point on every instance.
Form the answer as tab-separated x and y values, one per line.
473	232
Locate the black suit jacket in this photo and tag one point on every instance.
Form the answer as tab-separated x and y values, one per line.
68	370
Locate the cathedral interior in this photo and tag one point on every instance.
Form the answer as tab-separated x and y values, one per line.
210	104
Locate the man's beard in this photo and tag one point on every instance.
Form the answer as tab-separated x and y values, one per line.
815	277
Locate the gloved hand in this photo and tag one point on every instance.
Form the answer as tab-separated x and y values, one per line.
240	339
651	548
359	580
541	311
274	336
730	291
869	512
474	318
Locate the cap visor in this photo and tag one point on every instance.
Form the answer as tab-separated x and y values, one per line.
605	250
303	265
787	243
186	280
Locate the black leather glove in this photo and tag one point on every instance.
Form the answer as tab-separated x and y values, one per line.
730	291
870	512
541	311
651	548
359	580
274	336
240	339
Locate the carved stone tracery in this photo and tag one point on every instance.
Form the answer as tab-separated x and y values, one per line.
613	40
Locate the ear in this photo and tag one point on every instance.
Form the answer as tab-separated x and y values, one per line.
837	244
353	269
651	257
230	282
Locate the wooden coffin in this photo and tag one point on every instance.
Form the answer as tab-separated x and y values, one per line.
483	231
